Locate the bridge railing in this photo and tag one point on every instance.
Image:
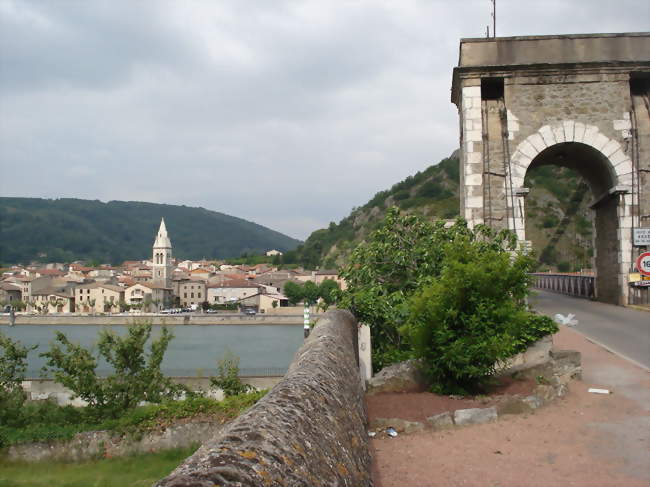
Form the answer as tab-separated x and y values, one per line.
581	285
310	429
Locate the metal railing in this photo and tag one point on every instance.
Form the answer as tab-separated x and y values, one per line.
582	285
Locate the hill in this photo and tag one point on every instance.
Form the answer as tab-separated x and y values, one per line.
558	221
63	230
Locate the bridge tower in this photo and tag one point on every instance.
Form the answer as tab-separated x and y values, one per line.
578	101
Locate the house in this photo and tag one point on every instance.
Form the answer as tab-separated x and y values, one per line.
322	275
53	300
98	297
273	253
263	301
231	291
10	292
191	293
147	296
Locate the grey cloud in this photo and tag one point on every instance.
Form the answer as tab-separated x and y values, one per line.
288	113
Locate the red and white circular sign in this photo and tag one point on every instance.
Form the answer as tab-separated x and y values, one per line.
643	263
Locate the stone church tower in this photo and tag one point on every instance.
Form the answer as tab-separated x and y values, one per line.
162	258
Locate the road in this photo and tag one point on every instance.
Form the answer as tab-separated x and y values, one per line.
623	331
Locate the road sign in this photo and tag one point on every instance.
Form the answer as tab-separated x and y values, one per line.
643	263
641	237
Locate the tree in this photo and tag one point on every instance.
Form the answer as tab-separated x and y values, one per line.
227	378
13	364
293	292
329	293
310	293
135	377
408	256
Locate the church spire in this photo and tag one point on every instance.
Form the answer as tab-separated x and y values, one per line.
162	239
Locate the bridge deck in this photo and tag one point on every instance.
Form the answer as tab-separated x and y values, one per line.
624	331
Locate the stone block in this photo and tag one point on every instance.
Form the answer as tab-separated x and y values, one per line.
599	141
537	141
471	91
610	147
533	401
622	124
400	377
558	133
473	136
440	421
527	149
475	416
591	131
474	158
474	179
547	134
469	147
513	405
579	132
569	127
619	157
400	425
521	159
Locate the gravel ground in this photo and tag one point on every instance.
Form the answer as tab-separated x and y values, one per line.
583	439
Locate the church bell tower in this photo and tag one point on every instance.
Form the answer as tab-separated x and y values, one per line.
162	258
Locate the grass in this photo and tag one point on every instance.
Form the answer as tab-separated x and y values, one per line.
47	421
132	471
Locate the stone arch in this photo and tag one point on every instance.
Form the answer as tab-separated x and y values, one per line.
549	135
612	171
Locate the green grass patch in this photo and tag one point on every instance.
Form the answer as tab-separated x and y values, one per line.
132	471
46	421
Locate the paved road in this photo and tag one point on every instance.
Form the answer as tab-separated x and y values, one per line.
622	330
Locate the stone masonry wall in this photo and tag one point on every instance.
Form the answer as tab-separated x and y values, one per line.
310	430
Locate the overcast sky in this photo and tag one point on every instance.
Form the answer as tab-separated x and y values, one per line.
285	113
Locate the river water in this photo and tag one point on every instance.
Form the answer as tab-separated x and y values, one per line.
264	350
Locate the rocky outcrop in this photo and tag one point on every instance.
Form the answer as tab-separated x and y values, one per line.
309	430
401	377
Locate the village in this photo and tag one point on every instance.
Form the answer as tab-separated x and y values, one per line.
161	284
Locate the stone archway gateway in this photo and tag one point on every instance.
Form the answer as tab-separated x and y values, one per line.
579	101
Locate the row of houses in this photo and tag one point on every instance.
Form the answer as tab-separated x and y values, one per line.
151	285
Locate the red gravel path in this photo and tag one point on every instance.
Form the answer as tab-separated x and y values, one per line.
582	440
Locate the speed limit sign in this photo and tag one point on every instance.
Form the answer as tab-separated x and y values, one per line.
643	263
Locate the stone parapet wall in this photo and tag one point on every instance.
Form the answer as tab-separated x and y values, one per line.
309	430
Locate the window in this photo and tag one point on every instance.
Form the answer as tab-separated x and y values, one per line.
185	295
491	88
192	295
198	295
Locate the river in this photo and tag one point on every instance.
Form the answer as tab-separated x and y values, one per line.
264	350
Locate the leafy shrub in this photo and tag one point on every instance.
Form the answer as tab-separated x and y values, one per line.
452	296
227	378
13	364
136	375
470	318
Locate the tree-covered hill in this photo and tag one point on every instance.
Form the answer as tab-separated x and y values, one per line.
558	222
63	230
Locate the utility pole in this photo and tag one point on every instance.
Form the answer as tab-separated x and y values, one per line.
494	18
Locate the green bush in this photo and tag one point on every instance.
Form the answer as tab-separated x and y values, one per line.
136	375
452	296
471	318
227	378
13	364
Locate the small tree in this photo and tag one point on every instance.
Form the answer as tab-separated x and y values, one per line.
328	291
227	378
13	364
294	292
136	375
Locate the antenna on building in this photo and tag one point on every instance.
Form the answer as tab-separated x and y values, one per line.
494	19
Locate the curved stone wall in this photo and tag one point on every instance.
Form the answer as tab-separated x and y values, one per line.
310	430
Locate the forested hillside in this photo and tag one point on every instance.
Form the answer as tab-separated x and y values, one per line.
63	230
558	221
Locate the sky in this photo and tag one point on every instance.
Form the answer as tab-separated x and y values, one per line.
287	113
